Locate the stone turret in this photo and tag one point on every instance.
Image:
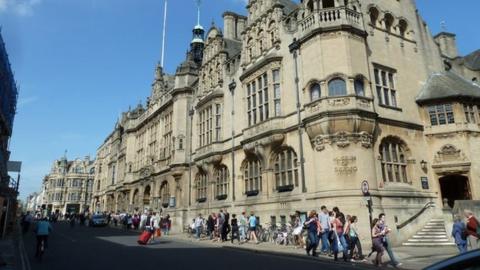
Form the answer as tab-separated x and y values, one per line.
448	44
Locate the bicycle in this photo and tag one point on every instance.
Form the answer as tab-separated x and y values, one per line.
40	247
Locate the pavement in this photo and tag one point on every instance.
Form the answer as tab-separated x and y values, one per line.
113	248
410	257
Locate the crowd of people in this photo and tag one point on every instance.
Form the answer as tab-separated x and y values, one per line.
331	231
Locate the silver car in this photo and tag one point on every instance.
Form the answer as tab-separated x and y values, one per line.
98	221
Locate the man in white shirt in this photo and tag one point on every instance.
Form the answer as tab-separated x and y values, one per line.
198	226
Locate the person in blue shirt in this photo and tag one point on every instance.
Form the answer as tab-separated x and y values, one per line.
42	230
252	223
458	233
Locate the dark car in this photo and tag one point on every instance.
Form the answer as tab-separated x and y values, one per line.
98	221
465	261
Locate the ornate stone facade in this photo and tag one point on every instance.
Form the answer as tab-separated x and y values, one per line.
68	187
291	108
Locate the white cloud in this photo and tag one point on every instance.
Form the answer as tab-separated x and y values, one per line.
22	102
19	7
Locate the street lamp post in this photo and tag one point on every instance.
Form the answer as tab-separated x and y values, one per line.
232	87
294	48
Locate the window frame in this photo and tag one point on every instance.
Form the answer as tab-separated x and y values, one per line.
201	186
252	176
221	177
394	162
386	87
334	89
285	170
441	112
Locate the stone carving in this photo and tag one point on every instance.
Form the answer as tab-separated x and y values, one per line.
345	165
449	153
343	139
339	102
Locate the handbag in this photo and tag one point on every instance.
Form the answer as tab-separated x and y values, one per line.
339	244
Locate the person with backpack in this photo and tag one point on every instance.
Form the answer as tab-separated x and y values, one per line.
473	230
459	234
252	229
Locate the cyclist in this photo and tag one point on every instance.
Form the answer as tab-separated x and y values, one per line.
42	231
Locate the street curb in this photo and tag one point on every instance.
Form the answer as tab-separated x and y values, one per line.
302	257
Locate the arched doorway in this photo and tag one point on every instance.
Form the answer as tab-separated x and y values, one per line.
455	187
146	198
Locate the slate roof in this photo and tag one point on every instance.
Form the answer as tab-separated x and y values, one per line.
472	61
447	85
232	47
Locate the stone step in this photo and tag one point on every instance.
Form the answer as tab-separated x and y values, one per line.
437	220
444	236
427	244
428	240
434	227
435	224
431	233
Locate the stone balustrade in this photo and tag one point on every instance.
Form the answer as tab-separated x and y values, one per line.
331	17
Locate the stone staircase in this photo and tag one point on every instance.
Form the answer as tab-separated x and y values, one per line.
432	235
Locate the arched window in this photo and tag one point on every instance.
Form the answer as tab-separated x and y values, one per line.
337	87
389	22
402	25
315	91
328	3
221	182
374	16
285	170
165	194
359	87
252	175
394	161
146	196
201	183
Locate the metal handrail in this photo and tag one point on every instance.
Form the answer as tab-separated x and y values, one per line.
408	221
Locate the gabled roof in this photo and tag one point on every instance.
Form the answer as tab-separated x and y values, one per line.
472	61
447	85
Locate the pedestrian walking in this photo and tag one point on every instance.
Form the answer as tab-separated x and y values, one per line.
220	225
252	228
459	234
378	233
473	230
243	225
226	226
355	240
199	222
297	231
211	225
312	229
235	230
386	241
339	242
325	222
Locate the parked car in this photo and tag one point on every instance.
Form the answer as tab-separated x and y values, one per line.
98	221
465	261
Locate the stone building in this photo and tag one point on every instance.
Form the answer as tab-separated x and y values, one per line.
295	105
68	187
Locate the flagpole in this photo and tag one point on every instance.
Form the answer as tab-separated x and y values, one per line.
164	31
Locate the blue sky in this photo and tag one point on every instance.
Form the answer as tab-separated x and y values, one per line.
80	63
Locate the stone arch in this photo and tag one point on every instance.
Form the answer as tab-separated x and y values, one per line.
389	20
374	13
402	27
165	194
252	168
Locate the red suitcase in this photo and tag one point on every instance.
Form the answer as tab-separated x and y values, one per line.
144	237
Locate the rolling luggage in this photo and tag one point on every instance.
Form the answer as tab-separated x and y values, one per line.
144	237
